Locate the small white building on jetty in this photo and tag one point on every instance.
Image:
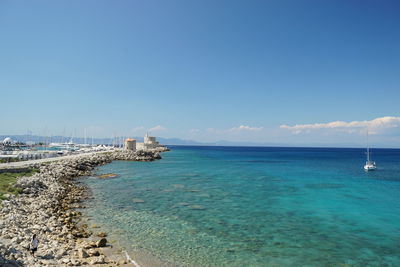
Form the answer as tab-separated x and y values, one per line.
130	144
150	144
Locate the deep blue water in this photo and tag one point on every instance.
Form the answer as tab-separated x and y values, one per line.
249	206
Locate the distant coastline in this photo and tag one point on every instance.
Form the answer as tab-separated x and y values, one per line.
184	142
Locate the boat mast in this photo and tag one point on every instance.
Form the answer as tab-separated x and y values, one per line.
367	148
85	135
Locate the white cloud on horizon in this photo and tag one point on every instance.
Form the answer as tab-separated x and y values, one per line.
241	128
245	128
138	129
375	126
157	128
194	131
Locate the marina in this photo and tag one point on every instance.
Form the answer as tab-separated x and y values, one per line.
14	153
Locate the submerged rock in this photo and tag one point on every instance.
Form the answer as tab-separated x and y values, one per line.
324	186
204	195
102	234
197	207
107	175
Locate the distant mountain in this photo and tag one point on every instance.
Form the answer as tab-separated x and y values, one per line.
237	143
177	141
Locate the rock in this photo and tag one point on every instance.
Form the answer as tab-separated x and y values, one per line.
16	240
107	175
60	254
122	262
75	262
82	254
102	234
25	244
197	207
87	245
93	252
101	243
98	260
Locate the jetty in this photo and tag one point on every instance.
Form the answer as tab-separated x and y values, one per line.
28	163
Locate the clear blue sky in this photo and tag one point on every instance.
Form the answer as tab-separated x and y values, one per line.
199	69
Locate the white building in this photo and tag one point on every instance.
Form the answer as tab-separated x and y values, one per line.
7	141
150	142
130	144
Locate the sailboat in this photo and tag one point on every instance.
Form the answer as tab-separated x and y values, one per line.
369	165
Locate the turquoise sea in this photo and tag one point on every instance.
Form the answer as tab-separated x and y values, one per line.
253	206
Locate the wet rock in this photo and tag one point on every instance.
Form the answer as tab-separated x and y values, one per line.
101	243
122	262
102	234
91	244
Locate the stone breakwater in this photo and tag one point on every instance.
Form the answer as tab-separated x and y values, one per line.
47	207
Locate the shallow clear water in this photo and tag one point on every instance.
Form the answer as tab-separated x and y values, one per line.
238	206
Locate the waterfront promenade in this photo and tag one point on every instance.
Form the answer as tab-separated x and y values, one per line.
27	163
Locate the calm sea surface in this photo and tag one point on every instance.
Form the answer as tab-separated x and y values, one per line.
248	206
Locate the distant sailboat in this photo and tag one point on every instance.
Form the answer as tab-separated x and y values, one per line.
369	165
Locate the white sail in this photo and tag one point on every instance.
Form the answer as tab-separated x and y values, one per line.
369	165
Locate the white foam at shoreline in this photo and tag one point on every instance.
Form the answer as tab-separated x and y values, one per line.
130	259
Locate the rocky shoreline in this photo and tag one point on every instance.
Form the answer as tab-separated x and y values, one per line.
48	207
